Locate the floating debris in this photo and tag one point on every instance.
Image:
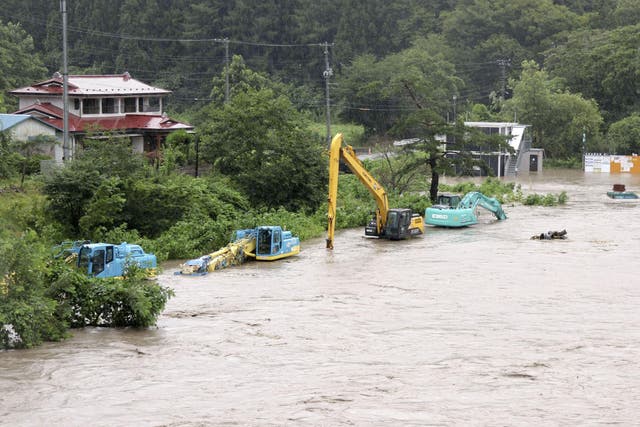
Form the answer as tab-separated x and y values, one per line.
550	235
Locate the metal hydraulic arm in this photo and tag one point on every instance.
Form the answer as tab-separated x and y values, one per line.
348	155
474	198
403	221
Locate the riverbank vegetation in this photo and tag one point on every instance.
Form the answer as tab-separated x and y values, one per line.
169	213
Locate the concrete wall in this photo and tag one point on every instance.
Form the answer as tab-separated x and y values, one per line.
531	161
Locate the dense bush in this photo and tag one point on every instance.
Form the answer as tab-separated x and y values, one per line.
129	301
41	298
569	163
28	314
491	187
545	199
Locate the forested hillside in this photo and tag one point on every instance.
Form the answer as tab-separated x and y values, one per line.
587	48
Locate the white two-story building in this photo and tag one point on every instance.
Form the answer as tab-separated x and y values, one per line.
99	105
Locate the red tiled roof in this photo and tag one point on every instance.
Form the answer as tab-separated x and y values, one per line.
92	85
53	116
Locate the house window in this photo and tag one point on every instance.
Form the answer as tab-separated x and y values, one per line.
151	104
90	106
130	105
110	106
76	104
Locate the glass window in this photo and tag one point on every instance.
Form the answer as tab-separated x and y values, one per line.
151	104
130	105
98	262
110	106
392	219
90	106
109	254
83	258
277	237
264	241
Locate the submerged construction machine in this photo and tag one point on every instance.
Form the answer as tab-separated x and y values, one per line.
264	243
452	211
394	224
102	260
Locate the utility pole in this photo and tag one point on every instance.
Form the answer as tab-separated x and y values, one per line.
503	63
584	146
328	72
226	70
455	98
65	86
197	142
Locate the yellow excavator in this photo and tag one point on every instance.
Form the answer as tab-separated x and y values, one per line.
393	224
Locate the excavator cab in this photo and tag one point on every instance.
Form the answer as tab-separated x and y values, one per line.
267	241
401	223
398	222
447	201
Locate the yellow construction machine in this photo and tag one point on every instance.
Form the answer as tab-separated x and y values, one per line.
393	224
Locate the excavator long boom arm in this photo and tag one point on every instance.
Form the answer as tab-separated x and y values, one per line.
474	198
348	155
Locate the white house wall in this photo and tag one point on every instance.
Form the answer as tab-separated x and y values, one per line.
32	128
138	144
29	128
26	101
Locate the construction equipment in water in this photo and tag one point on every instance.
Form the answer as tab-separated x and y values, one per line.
453	211
393	224
103	260
264	243
620	192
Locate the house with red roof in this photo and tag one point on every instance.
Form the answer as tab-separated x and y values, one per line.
97	105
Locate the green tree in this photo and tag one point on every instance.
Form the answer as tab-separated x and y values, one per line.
8	158
374	92
20	64
492	37
240	78
29	149
28	314
70	190
260	141
558	118
623	136
371	27
603	65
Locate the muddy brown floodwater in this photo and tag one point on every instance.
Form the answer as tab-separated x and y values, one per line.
474	326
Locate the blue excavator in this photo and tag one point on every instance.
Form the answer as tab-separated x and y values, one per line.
264	243
453	211
103	260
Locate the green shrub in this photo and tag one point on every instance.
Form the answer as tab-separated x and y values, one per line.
490	187
28	314
192	237
545	199
116	302
569	163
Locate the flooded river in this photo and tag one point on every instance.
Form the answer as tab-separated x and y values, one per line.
475	326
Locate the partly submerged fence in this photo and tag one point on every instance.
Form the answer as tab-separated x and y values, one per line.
609	163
